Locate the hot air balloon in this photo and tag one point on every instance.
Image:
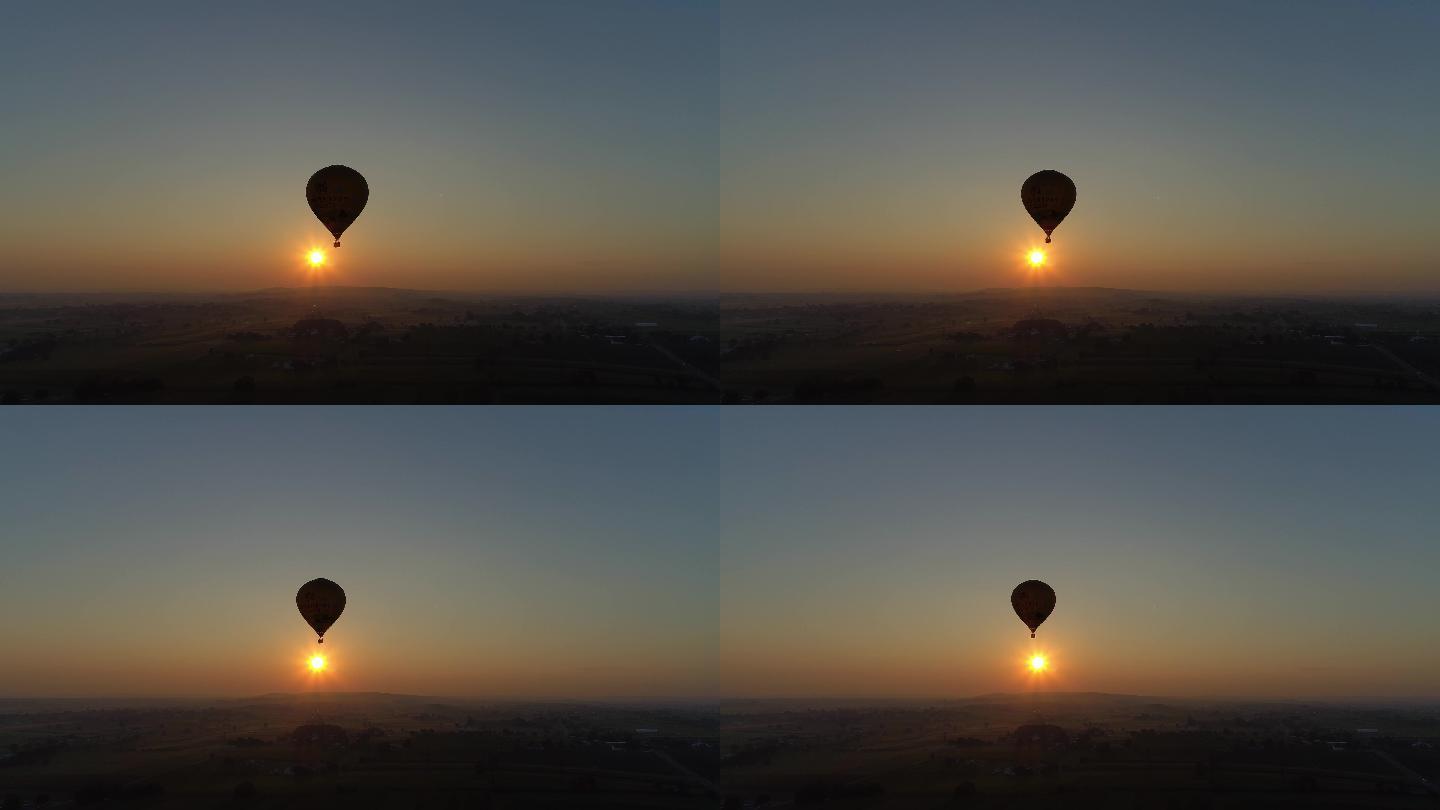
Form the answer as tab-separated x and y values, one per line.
337	195
320	602
1033	600
1048	196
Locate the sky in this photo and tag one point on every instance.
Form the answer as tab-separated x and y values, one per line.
538	552
557	146
593	553
1220	146
569	146
1224	552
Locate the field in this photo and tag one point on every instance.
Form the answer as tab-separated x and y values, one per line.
352	345
356	750
1041	345
1077	345
1077	750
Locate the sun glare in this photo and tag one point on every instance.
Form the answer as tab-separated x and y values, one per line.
316	258
317	663
1038	663
1037	257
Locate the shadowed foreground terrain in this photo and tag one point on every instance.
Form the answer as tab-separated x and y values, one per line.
355	750
1078	750
356	345
1079	345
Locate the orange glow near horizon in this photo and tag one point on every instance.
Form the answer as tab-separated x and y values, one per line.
1038	668
316	669
1035	263
316	265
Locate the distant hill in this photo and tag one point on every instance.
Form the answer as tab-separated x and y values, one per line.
336	700
332	293
1068	295
1098	700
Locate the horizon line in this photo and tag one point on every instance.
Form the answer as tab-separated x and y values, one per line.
1327	293
836	698
265	695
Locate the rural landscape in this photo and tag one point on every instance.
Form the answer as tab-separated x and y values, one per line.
1079	345
1079	750
355	750
355	345
1023	345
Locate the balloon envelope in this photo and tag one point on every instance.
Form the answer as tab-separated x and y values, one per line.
1048	196
337	195
320	602
1033	600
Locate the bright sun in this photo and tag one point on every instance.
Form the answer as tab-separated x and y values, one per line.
1037	257
316	258
1038	663
317	663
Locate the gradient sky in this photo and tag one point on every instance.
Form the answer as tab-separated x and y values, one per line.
495	552
563	145
1233	145
1266	552
648	145
634	552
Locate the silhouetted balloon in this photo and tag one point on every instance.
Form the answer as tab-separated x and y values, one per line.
337	195
1048	196
1033	600
320	602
